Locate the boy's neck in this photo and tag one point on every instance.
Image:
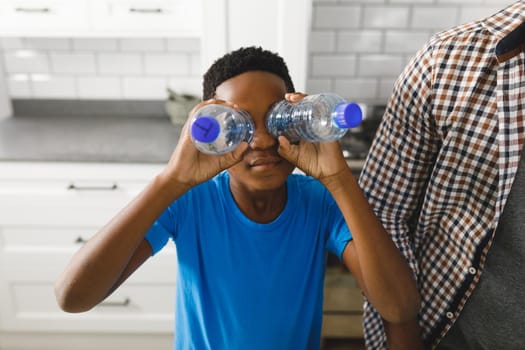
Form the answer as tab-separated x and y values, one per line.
262	207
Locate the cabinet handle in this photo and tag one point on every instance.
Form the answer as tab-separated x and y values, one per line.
33	10
80	240
145	10
92	188
122	303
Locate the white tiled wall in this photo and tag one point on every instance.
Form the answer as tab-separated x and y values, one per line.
88	68
357	49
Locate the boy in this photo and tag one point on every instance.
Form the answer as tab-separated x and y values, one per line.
251	237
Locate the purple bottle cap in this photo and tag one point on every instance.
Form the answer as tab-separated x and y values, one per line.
347	115
205	129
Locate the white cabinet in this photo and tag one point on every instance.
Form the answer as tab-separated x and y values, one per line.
282	26
42	15
100	18
47	210
116	17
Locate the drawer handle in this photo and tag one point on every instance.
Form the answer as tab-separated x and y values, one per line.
123	303
74	187
144	10
80	240
33	10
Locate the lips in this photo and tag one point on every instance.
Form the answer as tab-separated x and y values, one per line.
261	161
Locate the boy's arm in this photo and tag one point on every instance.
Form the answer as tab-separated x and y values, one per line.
114	252
383	273
119	248
379	267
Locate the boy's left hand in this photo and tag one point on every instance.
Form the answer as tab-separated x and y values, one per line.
317	159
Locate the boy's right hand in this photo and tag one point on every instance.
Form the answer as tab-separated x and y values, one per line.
188	166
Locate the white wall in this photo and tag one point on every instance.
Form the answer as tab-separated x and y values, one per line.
357	48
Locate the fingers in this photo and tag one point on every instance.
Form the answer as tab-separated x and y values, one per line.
214	101
238	153
284	144
211	101
294	97
287	150
227	160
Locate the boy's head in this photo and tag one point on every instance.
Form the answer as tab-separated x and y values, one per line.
244	60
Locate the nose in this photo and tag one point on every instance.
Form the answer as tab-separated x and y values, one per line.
262	139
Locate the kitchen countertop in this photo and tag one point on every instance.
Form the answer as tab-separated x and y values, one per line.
87	139
96	138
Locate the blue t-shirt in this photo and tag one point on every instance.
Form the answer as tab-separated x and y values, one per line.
246	285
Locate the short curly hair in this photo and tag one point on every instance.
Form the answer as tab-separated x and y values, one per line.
244	60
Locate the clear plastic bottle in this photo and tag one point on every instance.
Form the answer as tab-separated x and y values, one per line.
218	129
316	118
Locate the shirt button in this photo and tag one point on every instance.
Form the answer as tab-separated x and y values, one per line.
472	270
449	315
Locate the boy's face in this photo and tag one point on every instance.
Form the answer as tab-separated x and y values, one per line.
261	168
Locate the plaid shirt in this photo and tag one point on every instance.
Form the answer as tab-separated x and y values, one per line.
444	159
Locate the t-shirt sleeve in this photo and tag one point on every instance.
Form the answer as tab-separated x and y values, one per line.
339	235
159	233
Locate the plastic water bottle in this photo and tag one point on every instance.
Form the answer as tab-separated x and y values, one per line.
316	118
218	129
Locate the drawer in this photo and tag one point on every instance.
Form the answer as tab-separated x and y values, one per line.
342	299
41	239
144	303
342	306
68	194
56	203
342	312
342	326
42	15
48	171
134	307
21	259
180	17
52	240
341	293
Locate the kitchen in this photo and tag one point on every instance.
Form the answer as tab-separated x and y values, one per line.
83	121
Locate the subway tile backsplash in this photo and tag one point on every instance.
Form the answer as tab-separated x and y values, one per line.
357	48
92	68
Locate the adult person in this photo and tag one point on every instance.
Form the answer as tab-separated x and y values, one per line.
445	175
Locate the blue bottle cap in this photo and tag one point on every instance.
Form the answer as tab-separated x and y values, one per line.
347	115
205	129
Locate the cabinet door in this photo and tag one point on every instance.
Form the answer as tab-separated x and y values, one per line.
140	305
47	211
31	16
31	259
173	17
